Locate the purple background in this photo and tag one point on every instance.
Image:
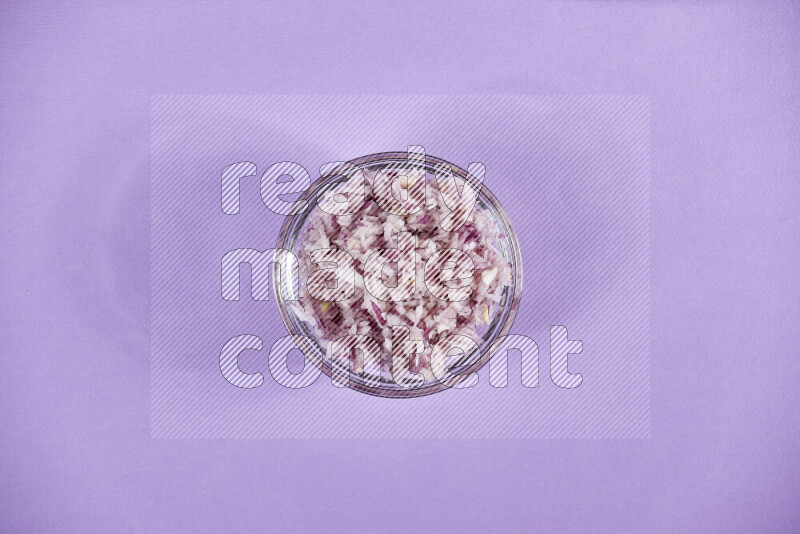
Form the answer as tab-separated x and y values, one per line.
75	93
572	174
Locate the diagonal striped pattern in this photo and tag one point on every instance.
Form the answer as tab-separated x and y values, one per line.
335	283
367	361
403	347
573	174
231	179
561	347
447	352
261	263
529	361
279	366
459	266
272	189
229	358
403	256
349	196
410	177
459	198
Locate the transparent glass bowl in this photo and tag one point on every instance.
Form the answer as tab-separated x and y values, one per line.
500	324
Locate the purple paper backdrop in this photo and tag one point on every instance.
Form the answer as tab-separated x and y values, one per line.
572	173
75	93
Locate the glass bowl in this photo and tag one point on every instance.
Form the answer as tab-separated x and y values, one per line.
382	385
